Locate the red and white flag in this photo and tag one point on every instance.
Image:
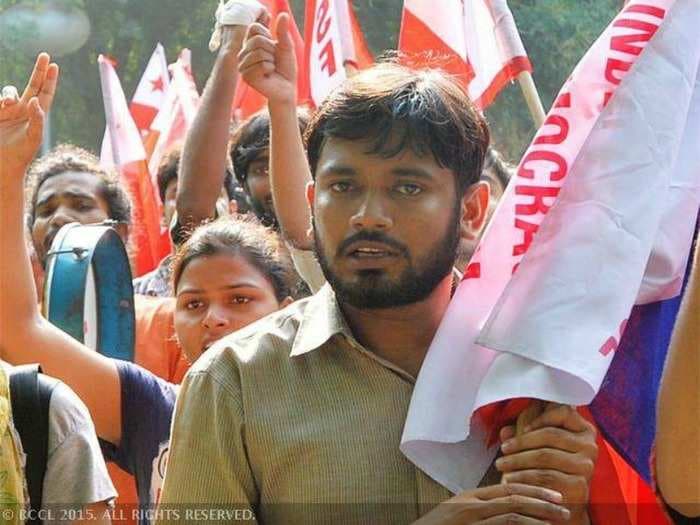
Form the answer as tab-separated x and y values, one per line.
150	91
129	157
248	101
177	112
604	201
334	42
475	40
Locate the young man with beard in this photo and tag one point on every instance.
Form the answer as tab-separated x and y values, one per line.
304	409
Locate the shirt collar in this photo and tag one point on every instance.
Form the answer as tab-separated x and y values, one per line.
323	319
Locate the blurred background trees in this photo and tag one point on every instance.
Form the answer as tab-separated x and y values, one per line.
556	33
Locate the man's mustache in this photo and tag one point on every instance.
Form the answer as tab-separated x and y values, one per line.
373	236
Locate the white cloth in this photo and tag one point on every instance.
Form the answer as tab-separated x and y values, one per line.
234	13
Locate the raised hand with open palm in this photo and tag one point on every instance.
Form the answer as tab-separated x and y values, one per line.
22	118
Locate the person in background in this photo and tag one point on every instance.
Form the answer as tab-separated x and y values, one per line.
73	481
227	275
157	282
677	458
279	203
75	475
250	157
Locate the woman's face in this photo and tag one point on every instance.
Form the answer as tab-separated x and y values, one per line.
217	295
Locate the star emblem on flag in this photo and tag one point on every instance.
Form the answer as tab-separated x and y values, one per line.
157	84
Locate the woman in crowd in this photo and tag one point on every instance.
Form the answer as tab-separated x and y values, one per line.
227	275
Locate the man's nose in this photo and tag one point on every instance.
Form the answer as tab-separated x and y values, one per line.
372	214
61	217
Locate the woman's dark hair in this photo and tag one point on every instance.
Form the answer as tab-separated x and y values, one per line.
252	137
392	108
68	158
244	237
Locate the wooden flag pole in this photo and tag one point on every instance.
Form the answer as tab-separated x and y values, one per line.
534	104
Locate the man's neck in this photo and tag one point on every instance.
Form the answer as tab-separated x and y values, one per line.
401	335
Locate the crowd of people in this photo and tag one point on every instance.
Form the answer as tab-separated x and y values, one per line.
315	254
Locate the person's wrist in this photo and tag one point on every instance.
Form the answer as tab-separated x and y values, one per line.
282	103
232	39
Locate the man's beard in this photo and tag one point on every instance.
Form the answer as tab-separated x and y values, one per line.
374	289
263	212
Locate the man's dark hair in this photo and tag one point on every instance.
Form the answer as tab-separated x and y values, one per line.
394	108
497	167
251	138
169	169
68	158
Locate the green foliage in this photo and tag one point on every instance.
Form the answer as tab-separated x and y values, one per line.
556	33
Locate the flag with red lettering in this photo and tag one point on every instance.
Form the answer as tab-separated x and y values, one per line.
150	91
246	100
129	157
475	40
586	225
334	43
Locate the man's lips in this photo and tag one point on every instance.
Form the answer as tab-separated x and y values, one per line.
370	250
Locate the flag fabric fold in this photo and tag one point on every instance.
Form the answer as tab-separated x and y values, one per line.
476	41
129	158
334	43
601	169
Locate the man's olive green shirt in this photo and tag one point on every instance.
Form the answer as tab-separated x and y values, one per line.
292	419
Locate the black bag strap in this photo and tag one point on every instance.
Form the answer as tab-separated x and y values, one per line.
31	397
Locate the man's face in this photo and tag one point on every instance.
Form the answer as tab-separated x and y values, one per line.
259	189
170	202
68	197
386	230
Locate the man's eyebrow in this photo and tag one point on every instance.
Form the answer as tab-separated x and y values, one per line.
338	169
71	194
412	172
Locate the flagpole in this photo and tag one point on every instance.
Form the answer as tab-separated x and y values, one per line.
532	97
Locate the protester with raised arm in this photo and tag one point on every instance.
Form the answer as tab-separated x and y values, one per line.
204	157
75	474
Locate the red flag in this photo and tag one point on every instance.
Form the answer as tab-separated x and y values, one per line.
334	41
477	41
178	111
363	56
151	90
129	156
246	100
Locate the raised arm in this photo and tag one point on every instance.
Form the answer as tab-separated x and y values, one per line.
678	411
270	67
25	336
203	164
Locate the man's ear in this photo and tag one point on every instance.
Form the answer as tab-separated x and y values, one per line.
123	231
475	206
286	302
233	207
